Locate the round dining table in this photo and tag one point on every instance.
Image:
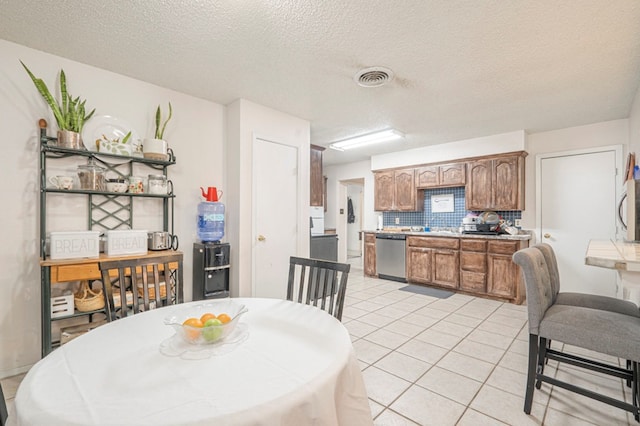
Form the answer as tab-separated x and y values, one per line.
285	363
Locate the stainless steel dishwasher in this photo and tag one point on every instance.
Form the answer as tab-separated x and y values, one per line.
391	257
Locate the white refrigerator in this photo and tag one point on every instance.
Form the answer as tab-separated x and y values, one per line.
317	220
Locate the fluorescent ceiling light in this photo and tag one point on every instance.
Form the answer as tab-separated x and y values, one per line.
368	139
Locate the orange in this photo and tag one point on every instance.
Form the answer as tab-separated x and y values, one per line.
224	318
192	333
205	317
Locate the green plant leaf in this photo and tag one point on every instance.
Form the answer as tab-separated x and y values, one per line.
46	94
126	138
63	91
158	123
70	114
165	123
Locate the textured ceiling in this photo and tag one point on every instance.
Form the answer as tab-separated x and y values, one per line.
463	69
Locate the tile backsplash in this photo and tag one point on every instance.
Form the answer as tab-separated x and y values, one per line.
440	220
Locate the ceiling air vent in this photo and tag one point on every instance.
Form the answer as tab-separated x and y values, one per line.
373	77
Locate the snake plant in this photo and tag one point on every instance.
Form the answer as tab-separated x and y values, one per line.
71	114
160	130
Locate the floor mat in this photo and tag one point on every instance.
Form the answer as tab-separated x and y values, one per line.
428	291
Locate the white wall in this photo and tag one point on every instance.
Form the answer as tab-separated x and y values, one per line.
593	135
246	120
615	132
634	126
506	142
196	134
337	199
486	145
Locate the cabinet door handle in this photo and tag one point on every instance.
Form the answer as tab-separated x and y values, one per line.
261	238
547	235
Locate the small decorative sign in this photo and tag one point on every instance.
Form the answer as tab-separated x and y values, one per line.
126	242
442	203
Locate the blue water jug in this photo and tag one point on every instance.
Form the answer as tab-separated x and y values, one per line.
211	216
210	221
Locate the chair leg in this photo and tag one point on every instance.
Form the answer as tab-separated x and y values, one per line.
636	389
531	372
629	368
542	358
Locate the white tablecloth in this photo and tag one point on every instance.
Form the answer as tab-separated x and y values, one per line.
296	367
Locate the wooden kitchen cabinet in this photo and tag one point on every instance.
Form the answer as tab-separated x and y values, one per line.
370	254
419	265
433	260
443	175
384	186
316	179
446	268
473	265
508	183
395	190
478	266
495	183
428	177
478	189
503	276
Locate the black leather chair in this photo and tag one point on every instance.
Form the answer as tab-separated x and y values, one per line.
149	285
320	281
611	333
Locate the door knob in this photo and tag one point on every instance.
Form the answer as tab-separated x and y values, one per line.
547	235
261	238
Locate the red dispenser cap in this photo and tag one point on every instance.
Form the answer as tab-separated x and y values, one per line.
211	194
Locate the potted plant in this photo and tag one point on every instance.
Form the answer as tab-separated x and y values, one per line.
115	145
70	114
157	148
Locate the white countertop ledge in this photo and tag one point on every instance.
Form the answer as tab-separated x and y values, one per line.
620	255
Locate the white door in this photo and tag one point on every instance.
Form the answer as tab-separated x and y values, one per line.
576	203
275	192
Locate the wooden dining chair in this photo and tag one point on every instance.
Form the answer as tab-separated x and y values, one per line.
319	281
157	281
3	409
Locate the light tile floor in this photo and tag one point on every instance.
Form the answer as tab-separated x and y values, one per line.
460	361
455	361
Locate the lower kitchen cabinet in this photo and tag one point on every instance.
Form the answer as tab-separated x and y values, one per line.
419	265
445	268
473	265
370	254
477	266
503	278
433	260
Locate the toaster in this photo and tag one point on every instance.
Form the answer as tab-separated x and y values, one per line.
161	240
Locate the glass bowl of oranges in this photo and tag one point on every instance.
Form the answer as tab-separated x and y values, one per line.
206	323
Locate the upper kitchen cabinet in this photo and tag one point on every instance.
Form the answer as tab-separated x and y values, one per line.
496	183
443	175
315	176
395	190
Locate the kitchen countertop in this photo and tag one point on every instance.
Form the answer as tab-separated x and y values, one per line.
454	234
620	255
624	258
